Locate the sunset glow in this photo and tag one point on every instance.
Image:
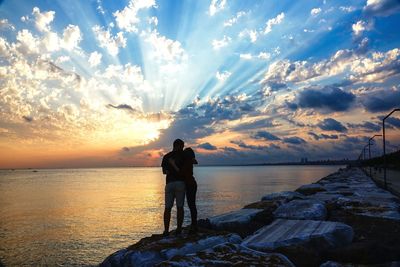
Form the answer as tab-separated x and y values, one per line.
113	83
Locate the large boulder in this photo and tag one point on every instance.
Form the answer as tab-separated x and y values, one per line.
302	210
229	254
282	197
310	189
233	219
317	235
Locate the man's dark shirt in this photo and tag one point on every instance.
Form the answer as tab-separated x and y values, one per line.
172	174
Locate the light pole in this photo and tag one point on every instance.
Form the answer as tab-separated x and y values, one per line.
384	145
369	144
369	152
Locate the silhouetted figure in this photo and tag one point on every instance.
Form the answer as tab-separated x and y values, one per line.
186	171
191	185
175	186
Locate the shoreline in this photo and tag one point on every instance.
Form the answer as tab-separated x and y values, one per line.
351	219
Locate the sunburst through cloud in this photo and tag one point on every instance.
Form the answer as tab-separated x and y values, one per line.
113	83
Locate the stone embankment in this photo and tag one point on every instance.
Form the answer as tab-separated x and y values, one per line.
342	220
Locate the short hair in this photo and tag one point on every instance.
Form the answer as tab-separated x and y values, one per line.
178	143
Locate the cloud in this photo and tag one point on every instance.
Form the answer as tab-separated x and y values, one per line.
329	98
381	100
108	41
242	144
257	124
121	106
330	124
165	49
295	140
42	20
27	118
360	26
207	146
128	19
4	24
357	65
274	21
222	76
235	19
95	59
266	136
347	9
323	136
251	34
218	44
71	37
216	6
315	11
367	126
382	7
393	121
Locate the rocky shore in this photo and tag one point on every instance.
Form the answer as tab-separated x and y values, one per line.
344	219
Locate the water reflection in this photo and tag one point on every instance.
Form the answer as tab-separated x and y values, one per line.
77	217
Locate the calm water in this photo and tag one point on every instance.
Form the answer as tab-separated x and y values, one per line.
79	216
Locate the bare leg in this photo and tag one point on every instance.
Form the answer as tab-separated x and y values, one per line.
167	218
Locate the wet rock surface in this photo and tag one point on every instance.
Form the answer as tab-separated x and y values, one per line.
308	233
344	219
310	209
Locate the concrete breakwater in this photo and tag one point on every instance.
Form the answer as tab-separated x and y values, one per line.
344	219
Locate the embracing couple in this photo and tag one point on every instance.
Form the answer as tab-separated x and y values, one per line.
178	167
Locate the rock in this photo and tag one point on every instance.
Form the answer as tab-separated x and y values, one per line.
370	207
326	197
229	254
282	197
310	189
318	235
151	251
331	264
234	219
302	210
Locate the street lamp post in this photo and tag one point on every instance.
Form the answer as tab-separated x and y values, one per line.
369	152
384	145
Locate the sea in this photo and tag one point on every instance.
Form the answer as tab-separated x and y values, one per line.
77	217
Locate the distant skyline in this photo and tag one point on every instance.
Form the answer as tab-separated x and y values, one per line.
103	83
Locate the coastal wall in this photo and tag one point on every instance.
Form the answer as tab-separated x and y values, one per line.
344	219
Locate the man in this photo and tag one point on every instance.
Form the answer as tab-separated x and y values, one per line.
175	186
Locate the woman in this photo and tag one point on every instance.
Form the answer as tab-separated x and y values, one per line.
189	159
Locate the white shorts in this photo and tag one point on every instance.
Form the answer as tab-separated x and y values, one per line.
174	190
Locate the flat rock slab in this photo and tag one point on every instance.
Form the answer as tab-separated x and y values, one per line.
302	210
233	219
317	235
229	254
310	189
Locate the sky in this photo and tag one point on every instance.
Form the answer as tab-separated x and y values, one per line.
102	83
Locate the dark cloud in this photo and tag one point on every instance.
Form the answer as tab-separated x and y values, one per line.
125	149
382	100
393	121
382	7
121	106
294	140
329	98
323	136
291	106
27	118
247	146
330	124
229	149
366	126
266	136
207	146
264	123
